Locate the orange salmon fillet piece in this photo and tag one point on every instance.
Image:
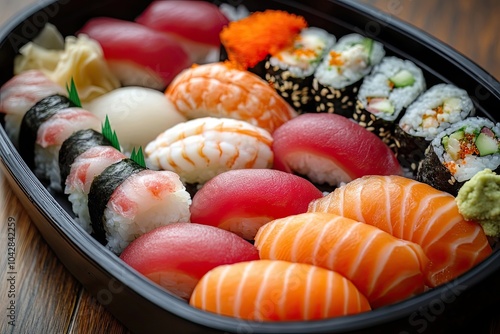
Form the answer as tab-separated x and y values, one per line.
416	212
384	269
278	291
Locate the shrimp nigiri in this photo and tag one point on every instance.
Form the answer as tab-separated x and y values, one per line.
220	90
277	291
416	212
202	148
384	269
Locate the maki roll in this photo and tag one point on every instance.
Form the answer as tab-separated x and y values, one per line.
291	70
44	129
384	95
82	157
431	113
459	152
338	77
33	118
127	200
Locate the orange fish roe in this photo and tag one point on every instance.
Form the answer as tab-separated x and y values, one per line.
467	146
335	59
248	41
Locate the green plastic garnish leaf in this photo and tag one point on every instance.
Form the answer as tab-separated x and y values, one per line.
138	156
73	93
109	134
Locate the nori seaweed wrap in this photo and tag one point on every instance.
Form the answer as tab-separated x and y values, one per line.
459	152
291	70
385	94
39	113
101	190
338	77
431	113
75	145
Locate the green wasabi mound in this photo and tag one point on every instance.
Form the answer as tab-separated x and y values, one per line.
479	200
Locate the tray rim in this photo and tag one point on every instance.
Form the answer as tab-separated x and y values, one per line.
44	209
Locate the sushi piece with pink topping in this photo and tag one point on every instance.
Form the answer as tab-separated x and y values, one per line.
331	149
137	55
127	200
243	200
181	20
178	255
82	157
21	93
43	130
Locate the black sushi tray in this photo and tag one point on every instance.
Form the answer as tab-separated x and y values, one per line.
144	307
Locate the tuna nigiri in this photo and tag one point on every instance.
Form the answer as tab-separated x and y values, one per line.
243	200
266	290
219	90
21	93
202	148
178	255
416	212
331	149
136	54
384	269
181	20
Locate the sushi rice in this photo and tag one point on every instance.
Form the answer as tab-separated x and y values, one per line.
357	61
377	85
422	120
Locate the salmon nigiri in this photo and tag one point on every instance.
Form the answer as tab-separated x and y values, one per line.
384	269
220	90
413	211
277	290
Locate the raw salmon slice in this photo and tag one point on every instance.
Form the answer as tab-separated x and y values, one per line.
277	290
384	269
416	212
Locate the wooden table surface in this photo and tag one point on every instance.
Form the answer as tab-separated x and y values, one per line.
50	300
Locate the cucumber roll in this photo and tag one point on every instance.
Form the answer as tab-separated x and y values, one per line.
338	77
431	113
291	70
459	152
127	200
384	95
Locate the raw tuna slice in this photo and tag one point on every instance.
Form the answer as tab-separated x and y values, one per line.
181	20
136	54
331	149
178	255
243	200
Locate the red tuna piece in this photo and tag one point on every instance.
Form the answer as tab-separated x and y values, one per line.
176	256
137	54
329	148
243	200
